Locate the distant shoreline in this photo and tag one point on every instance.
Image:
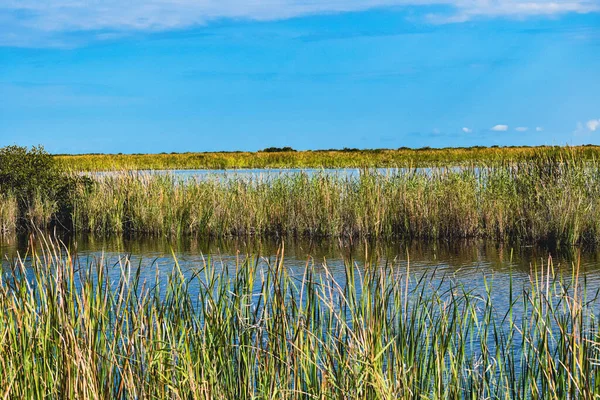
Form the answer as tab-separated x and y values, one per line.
332	158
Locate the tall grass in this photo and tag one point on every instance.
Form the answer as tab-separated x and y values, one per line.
41	210
553	200
255	331
39	213
9	211
425	157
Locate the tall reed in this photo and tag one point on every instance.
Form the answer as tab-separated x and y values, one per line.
39	213
41	210
554	200
9	212
254	330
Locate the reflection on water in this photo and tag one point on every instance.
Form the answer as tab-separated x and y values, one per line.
472	265
467	263
464	259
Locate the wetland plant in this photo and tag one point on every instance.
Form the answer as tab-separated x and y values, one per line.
257	330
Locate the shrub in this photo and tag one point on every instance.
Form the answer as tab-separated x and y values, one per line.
278	150
27	171
43	192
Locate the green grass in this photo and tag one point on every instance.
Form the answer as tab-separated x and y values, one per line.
255	331
552	200
9	211
425	157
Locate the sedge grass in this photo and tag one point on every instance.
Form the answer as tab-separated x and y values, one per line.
256	331
9	211
551	200
39	213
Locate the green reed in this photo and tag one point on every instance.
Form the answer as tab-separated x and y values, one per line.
39	213
9	211
255	330
553	199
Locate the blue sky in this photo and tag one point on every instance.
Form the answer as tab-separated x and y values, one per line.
84	76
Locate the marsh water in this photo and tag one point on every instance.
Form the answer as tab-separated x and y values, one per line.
464	260
271	173
472	264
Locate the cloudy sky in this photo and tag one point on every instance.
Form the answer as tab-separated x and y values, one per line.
155	75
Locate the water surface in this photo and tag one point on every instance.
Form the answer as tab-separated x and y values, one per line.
468	262
269	173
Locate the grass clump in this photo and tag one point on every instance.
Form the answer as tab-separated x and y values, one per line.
9	211
256	330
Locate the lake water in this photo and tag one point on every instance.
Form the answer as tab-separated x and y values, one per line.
466	262
269	173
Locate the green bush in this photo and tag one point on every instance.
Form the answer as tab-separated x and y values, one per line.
277	150
26	171
43	192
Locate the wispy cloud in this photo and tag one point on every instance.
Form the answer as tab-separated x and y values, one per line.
539	129
586	129
522	129
500	128
20	19
469	10
593	124
467	130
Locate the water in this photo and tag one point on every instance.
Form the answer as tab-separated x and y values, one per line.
469	264
466	262
266	173
244	174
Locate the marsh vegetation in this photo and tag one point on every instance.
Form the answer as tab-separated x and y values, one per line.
332	158
249	327
256	329
553	198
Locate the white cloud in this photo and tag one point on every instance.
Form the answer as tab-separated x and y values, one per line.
500	128
468	10
593	124
40	18
586	129
539	129
467	130
522	129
